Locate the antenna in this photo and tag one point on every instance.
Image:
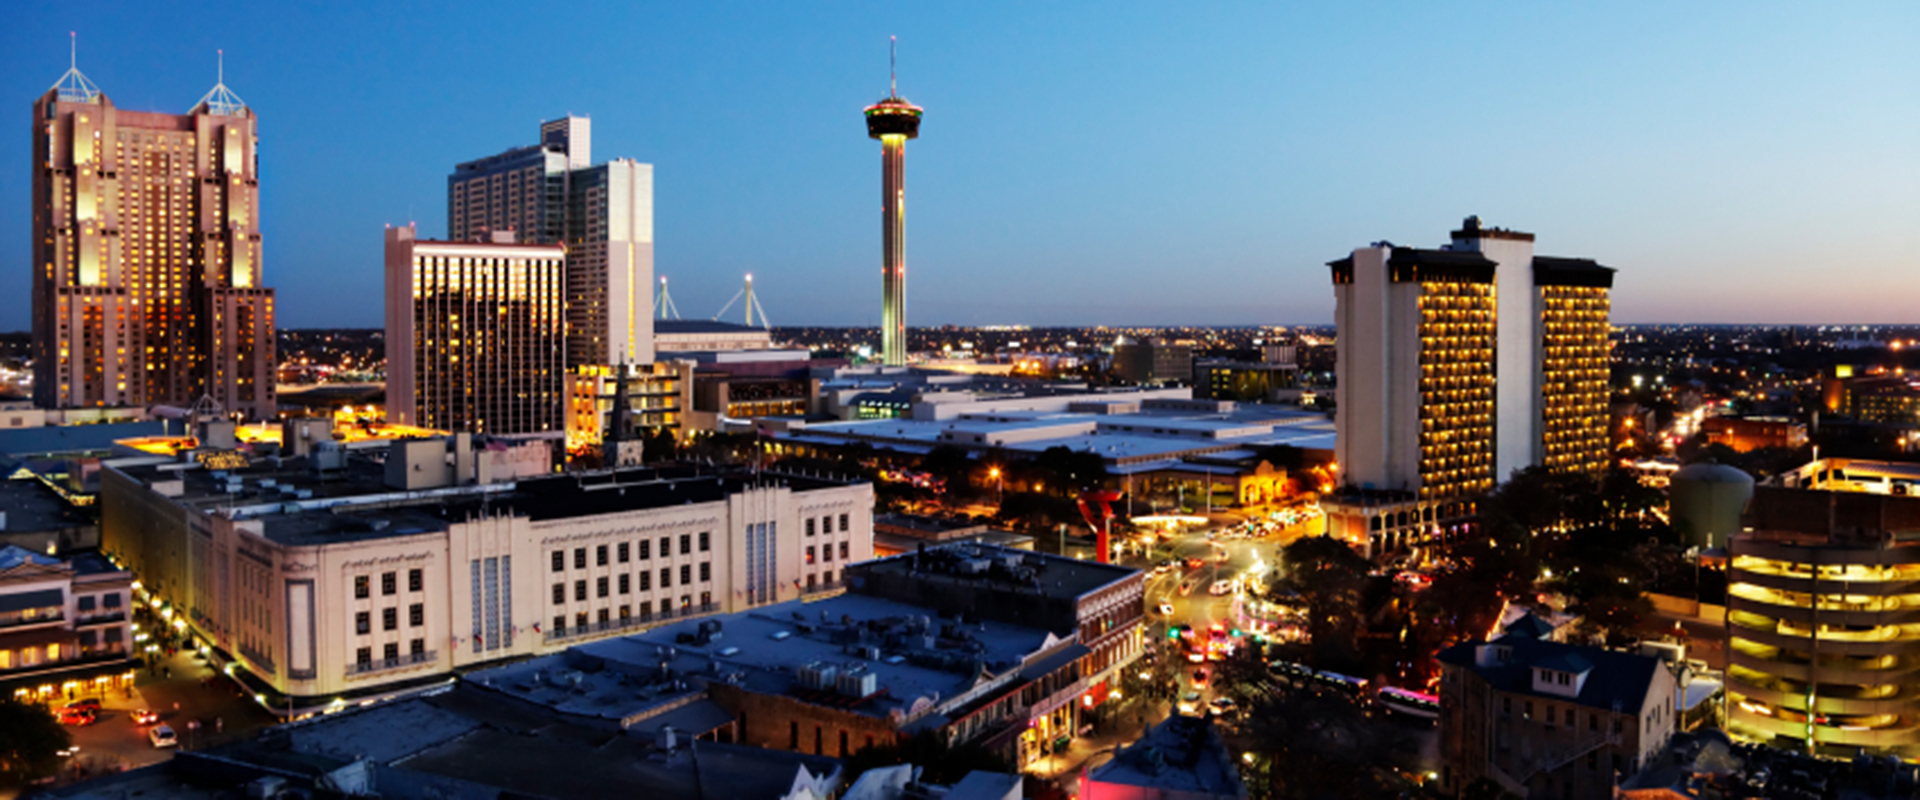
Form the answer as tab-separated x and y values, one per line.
222	100
74	87
893	78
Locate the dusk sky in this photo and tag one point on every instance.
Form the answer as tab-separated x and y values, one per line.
1113	163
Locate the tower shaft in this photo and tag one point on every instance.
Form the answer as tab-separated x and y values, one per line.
893	218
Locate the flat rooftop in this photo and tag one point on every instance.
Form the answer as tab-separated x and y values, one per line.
1182	755
30	506
468	743
1050	575
917	658
298	506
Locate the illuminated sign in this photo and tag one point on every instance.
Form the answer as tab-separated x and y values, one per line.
222	459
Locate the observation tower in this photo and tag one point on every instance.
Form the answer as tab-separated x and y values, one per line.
893	121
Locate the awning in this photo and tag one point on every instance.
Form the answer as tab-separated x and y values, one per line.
43	598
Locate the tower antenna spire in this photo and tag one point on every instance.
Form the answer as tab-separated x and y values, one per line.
74	87
221	73
893	77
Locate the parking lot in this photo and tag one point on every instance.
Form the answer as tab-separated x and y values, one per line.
181	690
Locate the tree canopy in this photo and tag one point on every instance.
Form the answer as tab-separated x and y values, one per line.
30	741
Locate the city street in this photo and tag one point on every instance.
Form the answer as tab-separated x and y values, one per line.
115	743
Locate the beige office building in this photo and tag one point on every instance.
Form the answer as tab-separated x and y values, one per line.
474	335
326	579
1458	366
146	255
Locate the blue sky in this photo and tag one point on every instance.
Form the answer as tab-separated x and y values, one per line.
1118	163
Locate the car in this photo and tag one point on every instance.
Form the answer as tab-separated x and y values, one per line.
162	736
78	715
1220	588
1189	702
1223	705
145	717
1197	657
1166	609
1186	588
86	702
1200	678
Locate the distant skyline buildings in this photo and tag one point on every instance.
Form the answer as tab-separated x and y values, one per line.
1645	153
146	256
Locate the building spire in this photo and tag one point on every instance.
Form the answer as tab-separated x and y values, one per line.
893	78
222	100
74	86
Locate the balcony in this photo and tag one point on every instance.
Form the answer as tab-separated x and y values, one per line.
21	619
613	626
365	668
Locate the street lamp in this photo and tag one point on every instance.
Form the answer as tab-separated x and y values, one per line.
994	473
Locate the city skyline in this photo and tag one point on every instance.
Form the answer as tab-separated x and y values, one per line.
1239	143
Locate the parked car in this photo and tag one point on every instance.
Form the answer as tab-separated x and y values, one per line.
1189	702
145	717
80	715
86	702
1166	609
162	736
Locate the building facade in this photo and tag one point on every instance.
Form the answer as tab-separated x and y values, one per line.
551	194
1152	361
1444	390
1821	645
323	580
65	627
475	335
1539	718
1744	434
147	284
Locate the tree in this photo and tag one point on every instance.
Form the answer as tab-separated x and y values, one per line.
1243	675
953	468
1310	743
30	741
1332	581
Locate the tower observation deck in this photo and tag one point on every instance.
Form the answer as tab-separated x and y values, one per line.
893	121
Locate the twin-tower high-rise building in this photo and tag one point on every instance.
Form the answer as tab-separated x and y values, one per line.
541	292
1456	367
147	285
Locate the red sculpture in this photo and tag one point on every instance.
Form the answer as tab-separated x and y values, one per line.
1105	498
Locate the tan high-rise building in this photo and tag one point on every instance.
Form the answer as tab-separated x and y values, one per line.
1458	366
475	336
146	255
551	194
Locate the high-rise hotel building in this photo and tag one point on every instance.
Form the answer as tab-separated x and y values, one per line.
550	193
146	254
1444	390
475	334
